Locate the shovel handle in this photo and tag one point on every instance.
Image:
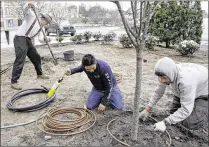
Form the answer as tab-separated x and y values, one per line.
55	61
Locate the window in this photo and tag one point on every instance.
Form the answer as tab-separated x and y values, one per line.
19	22
10	23
7	11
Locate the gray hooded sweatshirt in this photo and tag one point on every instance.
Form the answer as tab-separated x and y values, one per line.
188	82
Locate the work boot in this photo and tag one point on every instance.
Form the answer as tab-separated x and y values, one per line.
16	86
42	76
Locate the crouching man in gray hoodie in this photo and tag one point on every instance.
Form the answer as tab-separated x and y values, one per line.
189	84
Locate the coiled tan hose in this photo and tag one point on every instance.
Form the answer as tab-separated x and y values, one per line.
53	126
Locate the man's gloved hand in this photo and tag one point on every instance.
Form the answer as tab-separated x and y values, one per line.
101	107
160	126
144	114
31	5
67	71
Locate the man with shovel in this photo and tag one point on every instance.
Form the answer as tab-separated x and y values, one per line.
24	47
105	89
189	84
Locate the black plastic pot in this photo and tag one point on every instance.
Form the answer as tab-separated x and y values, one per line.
69	55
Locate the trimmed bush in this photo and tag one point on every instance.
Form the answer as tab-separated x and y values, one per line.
151	41
77	39
87	35
59	39
107	38
187	47
74	39
125	41
97	36
112	34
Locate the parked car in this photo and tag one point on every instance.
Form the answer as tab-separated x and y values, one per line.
63	29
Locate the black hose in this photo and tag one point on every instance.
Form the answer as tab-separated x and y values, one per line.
6	69
22	93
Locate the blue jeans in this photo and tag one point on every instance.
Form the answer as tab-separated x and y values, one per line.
95	98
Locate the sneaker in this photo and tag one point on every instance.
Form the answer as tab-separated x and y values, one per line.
42	77
16	86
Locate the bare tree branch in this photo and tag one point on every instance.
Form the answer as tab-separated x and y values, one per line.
126	26
140	23
16	9
136	16
40	6
129	28
133	7
131	31
143	17
148	12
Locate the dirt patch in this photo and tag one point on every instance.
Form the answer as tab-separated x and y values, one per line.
121	129
74	90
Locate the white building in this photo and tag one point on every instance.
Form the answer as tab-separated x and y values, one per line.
8	21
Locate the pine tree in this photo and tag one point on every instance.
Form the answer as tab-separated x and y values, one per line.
163	22
177	21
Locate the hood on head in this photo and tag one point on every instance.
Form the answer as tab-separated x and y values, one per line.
167	66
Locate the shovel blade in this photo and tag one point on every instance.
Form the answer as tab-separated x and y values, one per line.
55	62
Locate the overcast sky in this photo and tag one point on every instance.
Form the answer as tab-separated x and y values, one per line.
124	4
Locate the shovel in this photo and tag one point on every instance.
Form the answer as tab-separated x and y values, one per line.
54	59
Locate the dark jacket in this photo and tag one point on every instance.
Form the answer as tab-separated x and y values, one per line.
102	78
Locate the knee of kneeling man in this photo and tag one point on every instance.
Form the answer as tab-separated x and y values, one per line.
190	126
120	107
90	107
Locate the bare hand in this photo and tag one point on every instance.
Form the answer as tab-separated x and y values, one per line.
101	107
67	71
31	5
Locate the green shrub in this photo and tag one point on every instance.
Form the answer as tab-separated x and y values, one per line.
107	38
87	35
59	39
125	41
77	39
97	36
151	41
74	39
187	47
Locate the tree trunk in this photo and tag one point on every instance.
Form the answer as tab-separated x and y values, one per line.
139	52
167	43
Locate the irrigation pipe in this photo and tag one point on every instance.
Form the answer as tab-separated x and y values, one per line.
6	69
169	144
53	126
16	125
113	135
26	92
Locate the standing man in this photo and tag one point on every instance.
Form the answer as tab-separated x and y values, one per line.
105	88
189	84
24	47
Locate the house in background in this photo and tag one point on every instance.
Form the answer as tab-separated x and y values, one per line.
8	20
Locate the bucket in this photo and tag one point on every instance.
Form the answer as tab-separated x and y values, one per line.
69	55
